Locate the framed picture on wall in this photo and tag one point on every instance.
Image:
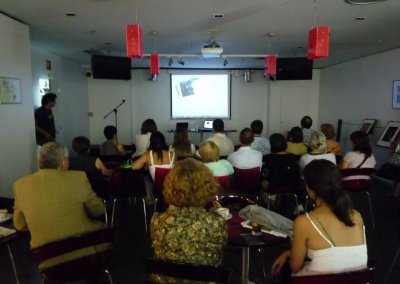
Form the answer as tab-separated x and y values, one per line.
10	91
396	94
389	134
367	125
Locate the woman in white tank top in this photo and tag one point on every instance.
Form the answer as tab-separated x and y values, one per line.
157	155
332	236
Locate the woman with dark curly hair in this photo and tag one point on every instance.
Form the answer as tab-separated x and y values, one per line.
186	232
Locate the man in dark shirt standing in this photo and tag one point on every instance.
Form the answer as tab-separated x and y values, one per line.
44	120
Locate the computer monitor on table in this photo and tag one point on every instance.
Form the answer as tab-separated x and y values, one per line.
207	126
182	126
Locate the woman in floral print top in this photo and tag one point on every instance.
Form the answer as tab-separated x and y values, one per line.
186	231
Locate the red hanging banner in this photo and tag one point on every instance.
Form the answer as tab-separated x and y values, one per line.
154	64
134	41
318	42
270	65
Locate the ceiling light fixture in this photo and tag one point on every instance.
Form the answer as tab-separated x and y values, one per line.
362	2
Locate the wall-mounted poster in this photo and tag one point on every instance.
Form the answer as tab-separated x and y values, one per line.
367	125
391	132
10	91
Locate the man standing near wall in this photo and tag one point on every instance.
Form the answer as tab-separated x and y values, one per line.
44	120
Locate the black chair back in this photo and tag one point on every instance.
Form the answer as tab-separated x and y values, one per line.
79	268
356	277
190	271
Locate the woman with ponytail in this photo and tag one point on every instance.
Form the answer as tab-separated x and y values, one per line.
332	236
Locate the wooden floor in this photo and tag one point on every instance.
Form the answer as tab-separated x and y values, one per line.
133	245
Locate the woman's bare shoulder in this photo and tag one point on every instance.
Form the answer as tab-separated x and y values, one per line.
357	218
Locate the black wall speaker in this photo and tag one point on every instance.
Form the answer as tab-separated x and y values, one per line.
295	68
111	67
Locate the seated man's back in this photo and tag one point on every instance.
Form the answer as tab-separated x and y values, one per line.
246	157
54	203
224	144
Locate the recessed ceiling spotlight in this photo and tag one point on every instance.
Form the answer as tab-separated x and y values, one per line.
300	46
70	14
218	16
361	18
362	2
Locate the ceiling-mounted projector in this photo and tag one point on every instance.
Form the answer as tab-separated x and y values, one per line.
212	50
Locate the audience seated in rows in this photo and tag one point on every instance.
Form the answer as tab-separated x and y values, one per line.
318	151
332	236
209	155
260	143
55	203
181	145
83	161
361	156
332	145
224	144
295	143
111	146
157	155
186	232
142	140
246	157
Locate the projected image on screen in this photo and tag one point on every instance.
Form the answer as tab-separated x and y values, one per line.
200	96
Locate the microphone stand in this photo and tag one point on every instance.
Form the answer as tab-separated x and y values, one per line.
115	111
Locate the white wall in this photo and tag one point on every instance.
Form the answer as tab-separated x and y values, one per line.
291	100
17	143
104	97
68	82
249	101
361	89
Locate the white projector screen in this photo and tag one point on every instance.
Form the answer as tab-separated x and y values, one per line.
200	96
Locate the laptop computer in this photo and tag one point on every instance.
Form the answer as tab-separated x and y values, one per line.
207	126
182	126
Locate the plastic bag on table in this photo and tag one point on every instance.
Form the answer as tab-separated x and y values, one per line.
267	218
